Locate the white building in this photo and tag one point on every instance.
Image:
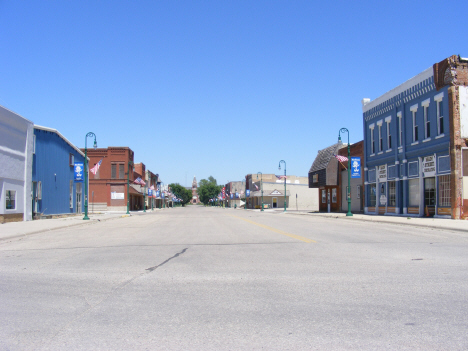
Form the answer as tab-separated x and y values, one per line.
16	156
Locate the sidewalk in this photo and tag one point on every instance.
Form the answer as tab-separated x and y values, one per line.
435	223
17	229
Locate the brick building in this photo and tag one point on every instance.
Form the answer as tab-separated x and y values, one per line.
357	184
108	187
195	199
415	145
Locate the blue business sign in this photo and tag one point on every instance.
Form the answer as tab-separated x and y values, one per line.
79	168
355	167
157	193
150	192
247	192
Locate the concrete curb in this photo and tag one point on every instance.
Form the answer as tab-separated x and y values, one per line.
374	219
76	224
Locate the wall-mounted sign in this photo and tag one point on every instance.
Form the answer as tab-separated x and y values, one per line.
355	167
383	200
79	168
382	173
117	196
429	166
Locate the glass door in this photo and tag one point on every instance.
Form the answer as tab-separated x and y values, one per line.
78	197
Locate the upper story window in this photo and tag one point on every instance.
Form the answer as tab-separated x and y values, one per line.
121	171
440	113
113	171
427	120
389	134
400	130
71	159
413	110
372	144
379	124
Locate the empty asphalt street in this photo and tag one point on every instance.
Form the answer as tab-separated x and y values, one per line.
201	278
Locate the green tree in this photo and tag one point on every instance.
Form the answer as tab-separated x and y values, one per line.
181	192
208	189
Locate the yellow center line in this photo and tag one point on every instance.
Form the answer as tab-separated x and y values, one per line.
294	236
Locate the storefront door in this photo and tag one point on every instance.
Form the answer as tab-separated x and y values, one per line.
275	202
78	198
429	196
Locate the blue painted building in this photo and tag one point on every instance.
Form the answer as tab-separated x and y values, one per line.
54	189
413	147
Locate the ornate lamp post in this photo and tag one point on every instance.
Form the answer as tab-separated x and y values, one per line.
348	192
261	185
90	134
130	163
144	198
279	167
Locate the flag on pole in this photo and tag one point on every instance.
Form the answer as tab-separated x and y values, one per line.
341	159
96	167
139	181
152	187
281	176
256	186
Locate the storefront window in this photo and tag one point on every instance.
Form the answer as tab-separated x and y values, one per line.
324	197
10	199
392	194
444	190
334	195
414	192
372	196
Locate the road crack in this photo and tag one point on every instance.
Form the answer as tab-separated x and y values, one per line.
170	258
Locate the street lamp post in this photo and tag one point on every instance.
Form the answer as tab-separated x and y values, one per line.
144	198
261	185
279	167
130	163
90	134
348	192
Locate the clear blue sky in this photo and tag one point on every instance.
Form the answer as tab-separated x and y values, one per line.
221	88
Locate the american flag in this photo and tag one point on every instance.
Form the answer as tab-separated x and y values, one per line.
139	181
152	187
281	177
341	158
256	186
96	167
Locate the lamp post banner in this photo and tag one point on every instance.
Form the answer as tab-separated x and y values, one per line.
79	168
247	193
355	167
